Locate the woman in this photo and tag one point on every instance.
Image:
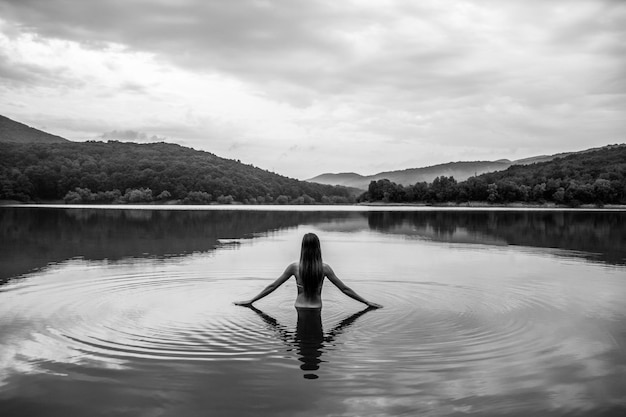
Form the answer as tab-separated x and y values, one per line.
309	273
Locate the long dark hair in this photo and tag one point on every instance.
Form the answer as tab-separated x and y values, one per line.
311	266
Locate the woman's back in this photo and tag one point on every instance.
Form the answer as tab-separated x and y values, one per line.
311	297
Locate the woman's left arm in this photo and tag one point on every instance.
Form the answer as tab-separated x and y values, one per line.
330	274
289	271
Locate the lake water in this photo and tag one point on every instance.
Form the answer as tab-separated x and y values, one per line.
129	313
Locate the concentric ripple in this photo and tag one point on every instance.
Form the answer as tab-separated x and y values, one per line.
428	326
148	309
155	312
455	335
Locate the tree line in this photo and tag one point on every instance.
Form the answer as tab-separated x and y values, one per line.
594	177
118	172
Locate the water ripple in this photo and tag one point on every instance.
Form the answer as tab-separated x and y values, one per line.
117	314
148	314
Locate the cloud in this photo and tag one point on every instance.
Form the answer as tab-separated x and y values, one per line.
314	48
131	135
19	70
388	77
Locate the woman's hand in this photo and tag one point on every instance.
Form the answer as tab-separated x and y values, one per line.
373	305
243	303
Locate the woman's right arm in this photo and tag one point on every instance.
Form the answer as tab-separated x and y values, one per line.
330	274
270	288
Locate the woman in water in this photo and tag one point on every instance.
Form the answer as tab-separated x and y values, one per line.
309	273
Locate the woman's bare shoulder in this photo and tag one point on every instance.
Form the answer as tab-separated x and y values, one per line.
330	274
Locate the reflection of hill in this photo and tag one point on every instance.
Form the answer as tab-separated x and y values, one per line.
33	238
598	235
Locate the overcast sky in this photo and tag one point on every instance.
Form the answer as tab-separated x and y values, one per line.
306	87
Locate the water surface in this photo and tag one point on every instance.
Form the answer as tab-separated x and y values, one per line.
129	312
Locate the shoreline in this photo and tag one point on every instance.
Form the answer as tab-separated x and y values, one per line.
376	206
481	204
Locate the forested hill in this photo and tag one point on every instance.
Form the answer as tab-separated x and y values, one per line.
596	176
12	131
129	172
461	171
608	162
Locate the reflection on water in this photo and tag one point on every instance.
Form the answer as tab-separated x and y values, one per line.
486	313
309	339
596	235
33	238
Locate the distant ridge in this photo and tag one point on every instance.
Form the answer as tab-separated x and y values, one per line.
461	171
16	132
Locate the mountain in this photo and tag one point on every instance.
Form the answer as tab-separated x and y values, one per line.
459	170
594	176
606	163
12	131
106	172
36	166
346	179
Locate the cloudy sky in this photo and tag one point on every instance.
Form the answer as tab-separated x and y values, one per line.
305	87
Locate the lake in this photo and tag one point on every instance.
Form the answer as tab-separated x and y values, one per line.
128	312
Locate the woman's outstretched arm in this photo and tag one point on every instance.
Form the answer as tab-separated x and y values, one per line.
330	274
270	288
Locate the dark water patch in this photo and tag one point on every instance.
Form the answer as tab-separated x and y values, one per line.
35	237
597	235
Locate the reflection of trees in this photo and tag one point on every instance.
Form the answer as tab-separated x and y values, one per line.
309	339
601	235
33	238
